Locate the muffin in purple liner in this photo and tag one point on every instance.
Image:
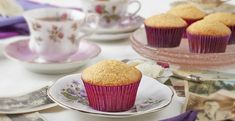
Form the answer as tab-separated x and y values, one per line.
187	12
208	37
111	85
226	18
164	30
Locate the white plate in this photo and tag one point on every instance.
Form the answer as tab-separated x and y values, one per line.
109	37
20	52
151	96
128	25
34	101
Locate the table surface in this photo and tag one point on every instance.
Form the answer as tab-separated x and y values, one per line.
15	79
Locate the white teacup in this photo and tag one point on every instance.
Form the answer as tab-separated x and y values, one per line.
111	11
54	32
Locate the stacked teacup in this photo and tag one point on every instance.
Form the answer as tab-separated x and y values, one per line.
116	22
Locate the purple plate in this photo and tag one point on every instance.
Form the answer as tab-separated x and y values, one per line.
27	5
20	52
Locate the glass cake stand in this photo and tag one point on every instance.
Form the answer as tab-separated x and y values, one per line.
180	55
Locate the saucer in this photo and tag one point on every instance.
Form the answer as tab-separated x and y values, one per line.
69	92
20	52
109	37
125	26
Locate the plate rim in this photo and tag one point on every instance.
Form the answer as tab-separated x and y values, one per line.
107	113
109	38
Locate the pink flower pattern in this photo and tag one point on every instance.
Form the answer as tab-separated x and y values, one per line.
36	26
72	38
75	26
108	16
56	33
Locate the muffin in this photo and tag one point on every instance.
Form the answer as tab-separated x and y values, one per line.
187	12
208	37
111	85
226	18
164	30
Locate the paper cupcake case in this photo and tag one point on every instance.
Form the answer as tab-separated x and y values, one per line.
164	37
111	98
207	44
232	36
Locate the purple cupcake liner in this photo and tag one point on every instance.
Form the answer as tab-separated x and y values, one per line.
164	37
207	44
232	36
111	98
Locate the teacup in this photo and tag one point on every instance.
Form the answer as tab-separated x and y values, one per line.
54	32
111	11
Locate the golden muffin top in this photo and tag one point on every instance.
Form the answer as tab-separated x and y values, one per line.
187	11
225	18
165	20
111	73
204	27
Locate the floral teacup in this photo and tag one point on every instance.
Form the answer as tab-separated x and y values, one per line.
55	33
111	12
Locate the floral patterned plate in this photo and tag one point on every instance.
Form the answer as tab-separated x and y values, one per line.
19	51
126	25
69	92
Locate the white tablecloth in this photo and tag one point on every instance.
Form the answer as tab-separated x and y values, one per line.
15	79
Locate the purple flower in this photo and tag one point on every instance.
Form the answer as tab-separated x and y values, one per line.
71	91
83	93
75	82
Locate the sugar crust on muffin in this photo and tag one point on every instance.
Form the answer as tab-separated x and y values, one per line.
165	20
187	11
204	27
111	73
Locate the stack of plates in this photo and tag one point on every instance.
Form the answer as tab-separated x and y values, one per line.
120	31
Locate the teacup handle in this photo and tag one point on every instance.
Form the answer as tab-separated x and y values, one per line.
92	19
137	10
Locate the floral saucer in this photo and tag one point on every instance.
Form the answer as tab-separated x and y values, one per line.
109	37
69	92
20	52
126	25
